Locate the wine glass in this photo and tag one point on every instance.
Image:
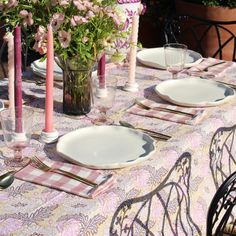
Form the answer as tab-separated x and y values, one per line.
103	94
175	54
17	128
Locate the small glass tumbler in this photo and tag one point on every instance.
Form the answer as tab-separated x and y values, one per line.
103	90
175	54
17	129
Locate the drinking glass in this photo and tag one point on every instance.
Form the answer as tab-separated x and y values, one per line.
175	54
103	94
17	128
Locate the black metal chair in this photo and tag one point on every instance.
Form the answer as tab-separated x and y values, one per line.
200	34
221	214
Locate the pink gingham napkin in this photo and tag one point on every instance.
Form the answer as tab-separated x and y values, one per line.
153	112
214	71
57	181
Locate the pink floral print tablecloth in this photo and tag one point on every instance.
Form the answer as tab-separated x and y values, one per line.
168	194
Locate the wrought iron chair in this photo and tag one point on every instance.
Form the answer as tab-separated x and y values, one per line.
199	34
221	214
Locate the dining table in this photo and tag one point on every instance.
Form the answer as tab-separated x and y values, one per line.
167	194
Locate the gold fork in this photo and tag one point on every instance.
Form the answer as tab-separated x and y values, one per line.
140	103
42	166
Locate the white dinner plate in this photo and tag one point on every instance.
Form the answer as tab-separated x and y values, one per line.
194	92
105	147
39	68
154	57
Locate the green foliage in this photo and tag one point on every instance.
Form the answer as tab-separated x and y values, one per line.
85	28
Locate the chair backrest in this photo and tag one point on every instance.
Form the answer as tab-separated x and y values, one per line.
210	38
221	213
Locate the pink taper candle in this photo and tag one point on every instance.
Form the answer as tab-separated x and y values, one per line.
133	49
49	82
18	79
11	70
101	69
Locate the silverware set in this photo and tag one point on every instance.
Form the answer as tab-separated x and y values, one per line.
139	102
8	178
219	81
42	166
153	134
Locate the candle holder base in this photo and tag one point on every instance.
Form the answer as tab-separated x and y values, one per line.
101	92
20	137
131	87
49	137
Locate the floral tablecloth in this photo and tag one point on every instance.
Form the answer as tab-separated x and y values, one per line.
168	194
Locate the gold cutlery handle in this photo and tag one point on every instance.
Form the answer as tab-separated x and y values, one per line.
228	84
73	176
216	64
164	109
174	111
155	134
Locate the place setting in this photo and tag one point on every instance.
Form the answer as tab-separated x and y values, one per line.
81	173
187	99
193	64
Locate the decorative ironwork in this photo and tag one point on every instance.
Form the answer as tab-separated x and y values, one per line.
137	216
222	154
178	27
220	218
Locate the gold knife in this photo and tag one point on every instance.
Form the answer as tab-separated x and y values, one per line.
216	64
229	84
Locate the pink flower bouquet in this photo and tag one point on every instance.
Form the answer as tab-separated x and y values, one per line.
81	27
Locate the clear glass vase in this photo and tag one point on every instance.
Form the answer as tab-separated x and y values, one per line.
76	86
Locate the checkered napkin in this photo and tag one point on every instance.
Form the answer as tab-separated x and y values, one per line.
58	181
214	71
197	113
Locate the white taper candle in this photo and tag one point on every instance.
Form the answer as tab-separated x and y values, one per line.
133	49
11	70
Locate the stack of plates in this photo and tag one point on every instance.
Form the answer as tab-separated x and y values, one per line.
39	68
